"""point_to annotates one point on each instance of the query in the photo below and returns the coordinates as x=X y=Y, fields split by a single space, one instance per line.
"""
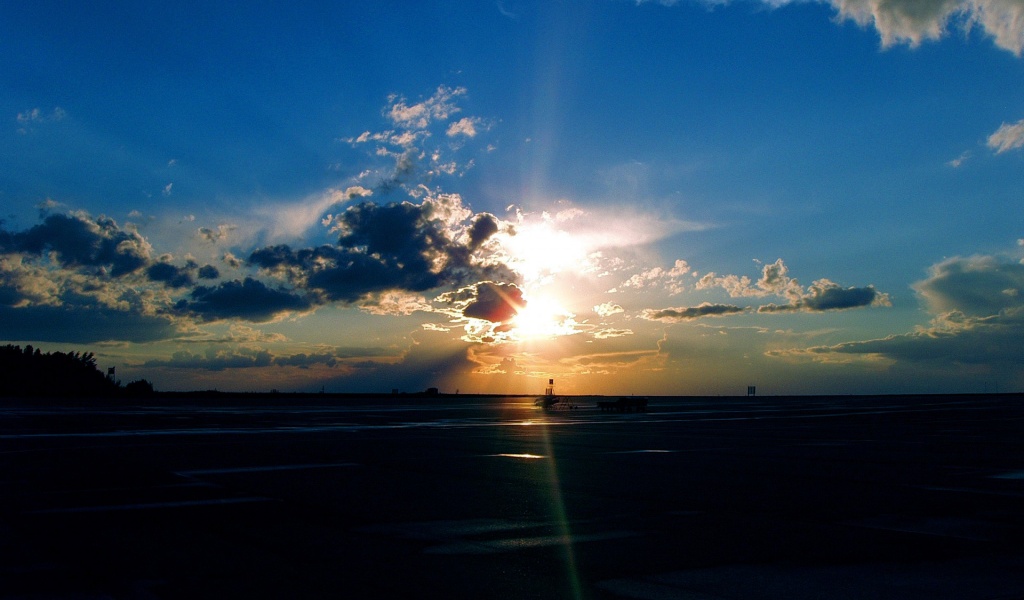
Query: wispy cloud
x=1007 y=137
x=35 y=116
x=958 y=162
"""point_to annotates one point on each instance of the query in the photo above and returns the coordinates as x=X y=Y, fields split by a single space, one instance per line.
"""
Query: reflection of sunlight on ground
x=558 y=506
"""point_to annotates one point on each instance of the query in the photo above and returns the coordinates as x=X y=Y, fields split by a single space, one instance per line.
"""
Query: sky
x=626 y=196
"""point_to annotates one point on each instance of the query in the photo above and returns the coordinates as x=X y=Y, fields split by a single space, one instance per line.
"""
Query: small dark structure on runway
x=624 y=404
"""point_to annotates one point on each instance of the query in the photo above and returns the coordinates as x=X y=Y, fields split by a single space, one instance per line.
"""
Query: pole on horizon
x=751 y=390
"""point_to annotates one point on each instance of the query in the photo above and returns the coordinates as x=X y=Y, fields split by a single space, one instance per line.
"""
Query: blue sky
x=630 y=197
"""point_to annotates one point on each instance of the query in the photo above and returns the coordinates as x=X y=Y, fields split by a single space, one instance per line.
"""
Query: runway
x=699 y=498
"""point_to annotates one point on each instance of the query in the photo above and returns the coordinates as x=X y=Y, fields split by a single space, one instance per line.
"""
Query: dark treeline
x=31 y=372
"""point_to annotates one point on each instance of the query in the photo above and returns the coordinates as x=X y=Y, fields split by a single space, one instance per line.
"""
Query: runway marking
x=964 y=529
x=524 y=543
x=443 y=530
x=651 y=590
x=152 y=505
x=263 y=468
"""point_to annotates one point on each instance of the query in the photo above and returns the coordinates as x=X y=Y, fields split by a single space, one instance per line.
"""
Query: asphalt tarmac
x=902 y=497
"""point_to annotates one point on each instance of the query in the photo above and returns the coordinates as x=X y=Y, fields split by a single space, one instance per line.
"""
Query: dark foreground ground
x=699 y=499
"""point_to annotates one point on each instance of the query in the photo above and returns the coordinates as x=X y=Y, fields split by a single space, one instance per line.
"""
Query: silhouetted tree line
x=31 y=372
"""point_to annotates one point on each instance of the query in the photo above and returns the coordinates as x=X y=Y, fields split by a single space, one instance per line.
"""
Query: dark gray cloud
x=81 y=324
x=79 y=241
x=170 y=275
x=248 y=299
x=240 y=358
x=208 y=272
x=955 y=339
x=824 y=295
x=483 y=228
x=180 y=277
x=689 y=313
x=304 y=361
x=243 y=358
x=976 y=286
x=495 y=302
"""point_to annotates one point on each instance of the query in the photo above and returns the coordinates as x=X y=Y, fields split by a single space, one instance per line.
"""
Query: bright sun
x=543 y=317
x=540 y=251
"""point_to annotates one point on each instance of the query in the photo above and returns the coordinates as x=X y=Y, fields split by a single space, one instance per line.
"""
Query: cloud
x=1007 y=137
x=705 y=309
x=958 y=162
x=977 y=327
x=215 y=235
x=952 y=341
x=912 y=22
x=394 y=247
x=80 y=241
x=670 y=279
x=82 y=324
x=608 y=309
x=774 y=280
x=248 y=299
x=439 y=106
x=484 y=309
x=411 y=140
x=484 y=226
x=824 y=295
x=465 y=126
x=215 y=360
x=294 y=219
x=172 y=276
x=396 y=303
x=35 y=116
x=978 y=286
x=495 y=302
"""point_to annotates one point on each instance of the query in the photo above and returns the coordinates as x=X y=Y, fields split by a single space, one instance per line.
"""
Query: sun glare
x=539 y=251
x=543 y=318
